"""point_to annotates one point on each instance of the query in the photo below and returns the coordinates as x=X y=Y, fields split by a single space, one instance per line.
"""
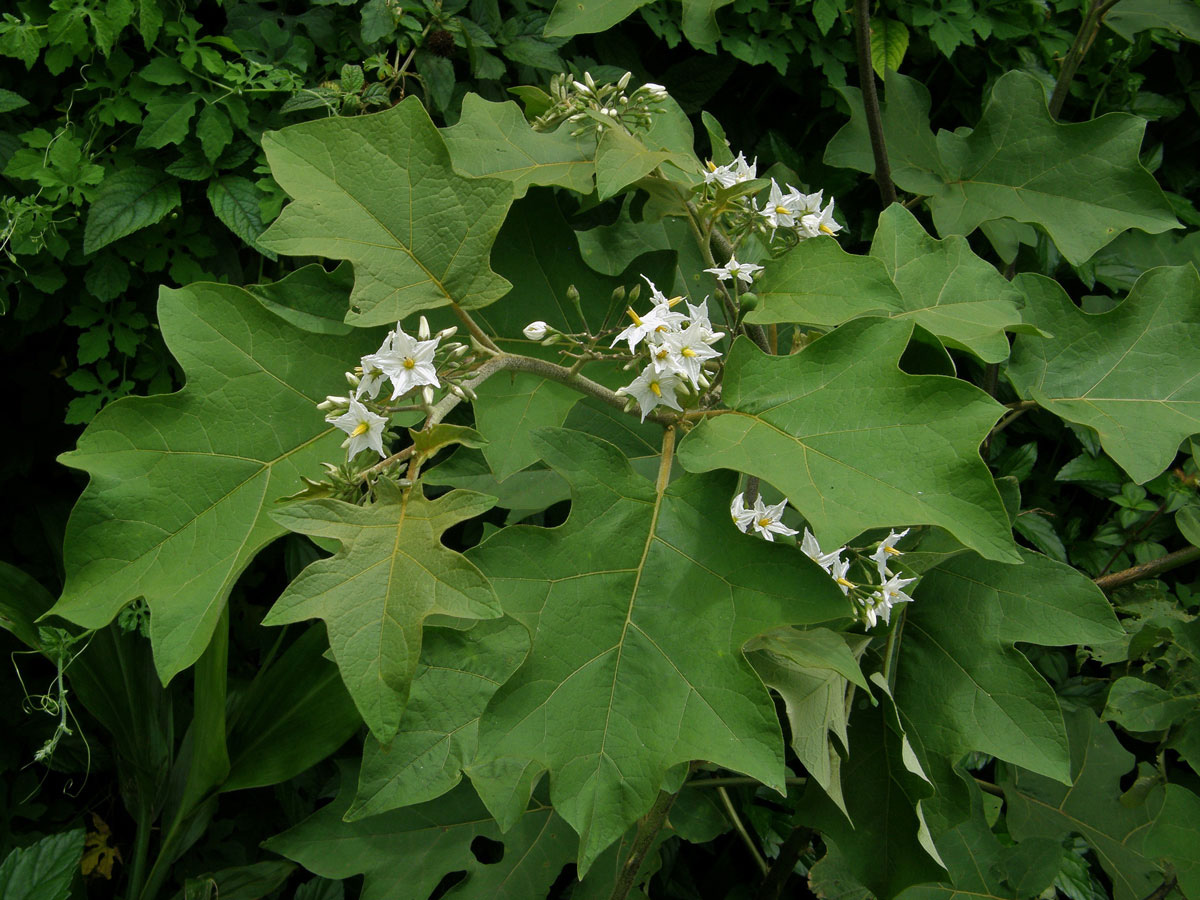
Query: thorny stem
x=866 y=79
x=1083 y=43
x=740 y=827
x=648 y=828
x=1149 y=569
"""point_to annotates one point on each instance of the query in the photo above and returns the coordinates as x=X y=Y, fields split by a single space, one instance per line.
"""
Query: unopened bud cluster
x=408 y=364
x=592 y=107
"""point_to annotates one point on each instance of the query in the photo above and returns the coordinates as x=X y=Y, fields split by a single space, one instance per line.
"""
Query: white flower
x=803 y=203
x=812 y=550
x=817 y=223
x=886 y=549
x=742 y=517
x=407 y=362
x=766 y=519
x=733 y=173
x=535 y=331
x=372 y=377
x=659 y=319
x=838 y=571
x=879 y=604
x=651 y=389
x=364 y=427
x=780 y=211
x=699 y=315
x=687 y=351
x=734 y=269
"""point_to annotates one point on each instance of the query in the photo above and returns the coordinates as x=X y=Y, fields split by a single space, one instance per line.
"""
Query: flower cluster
x=733 y=173
x=588 y=105
x=792 y=213
x=871 y=602
x=872 y=605
x=407 y=363
x=762 y=518
x=798 y=211
x=678 y=345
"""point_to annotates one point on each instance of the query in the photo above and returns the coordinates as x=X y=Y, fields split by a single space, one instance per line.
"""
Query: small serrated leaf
x=235 y=200
x=889 y=43
x=128 y=200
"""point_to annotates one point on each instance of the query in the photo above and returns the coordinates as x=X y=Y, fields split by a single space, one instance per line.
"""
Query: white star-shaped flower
x=699 y=315
x=780 y=210
x=879 y=604
x=408 y=363
x=651 y=389
x=811 y=549
x=364 y=427
x=886 y=550
x=687 y=351
x=660 y=319
x=734 y=269
x=742 y=517
x=813 y=224
x=766 y=519
x=838 y=570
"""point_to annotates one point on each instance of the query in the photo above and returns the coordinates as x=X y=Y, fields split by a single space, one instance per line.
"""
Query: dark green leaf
x=128 y=200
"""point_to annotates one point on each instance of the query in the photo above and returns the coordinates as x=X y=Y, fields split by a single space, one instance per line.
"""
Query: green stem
x=892 y=649
x=141 y=844
x=866 y=80
x=734 y=781
x=1082 y=44
x=648 y=828
x=781 y=870
x=1148 y=570
x=740 y=827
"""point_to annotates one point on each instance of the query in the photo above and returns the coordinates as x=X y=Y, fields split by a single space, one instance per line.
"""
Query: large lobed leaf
x=638 y=608
x=1083 y=183
x=1131 y=373
x=941 y=285
x=182 y=484
x=959 y=635
x=404 y=854
x=391 y=574
x=458 y=674
x=380 y=190
x=494 y=140
x=854 y=442
x=1089 y=804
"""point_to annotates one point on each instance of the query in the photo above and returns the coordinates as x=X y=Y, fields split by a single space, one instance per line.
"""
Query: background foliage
x=132 y=156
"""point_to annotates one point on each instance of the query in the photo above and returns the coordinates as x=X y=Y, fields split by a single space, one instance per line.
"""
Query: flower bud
x=423 y=330
x=624 y=80
x=446 y=333
x=618 y=294
x=635 y=292
x=572 y=293
x=352 y=379
x=535 y=331
x=457 y=351
x=458 y=392
x=427 y=394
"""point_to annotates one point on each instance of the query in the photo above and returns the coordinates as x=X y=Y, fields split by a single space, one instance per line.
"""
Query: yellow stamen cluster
x=359 y=429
